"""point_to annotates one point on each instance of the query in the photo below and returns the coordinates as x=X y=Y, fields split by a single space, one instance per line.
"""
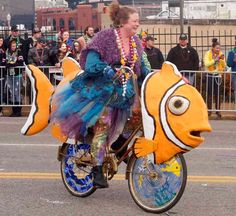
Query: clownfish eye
x=178 y=105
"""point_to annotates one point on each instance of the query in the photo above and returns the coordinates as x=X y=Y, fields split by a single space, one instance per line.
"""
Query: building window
x=71 y=24
x=61 y=23
x=54 y=24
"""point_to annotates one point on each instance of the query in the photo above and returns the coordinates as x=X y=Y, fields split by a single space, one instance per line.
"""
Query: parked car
x=164 y=15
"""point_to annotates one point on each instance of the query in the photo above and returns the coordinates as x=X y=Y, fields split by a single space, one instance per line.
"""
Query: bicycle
x=154 y=188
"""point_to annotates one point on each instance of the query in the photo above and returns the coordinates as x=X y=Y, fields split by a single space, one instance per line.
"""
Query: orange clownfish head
x=174 y=113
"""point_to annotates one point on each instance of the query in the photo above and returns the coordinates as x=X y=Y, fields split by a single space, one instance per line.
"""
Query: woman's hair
x=73 y=46
x=120 y=15
x=10 y=44
x=215 y=42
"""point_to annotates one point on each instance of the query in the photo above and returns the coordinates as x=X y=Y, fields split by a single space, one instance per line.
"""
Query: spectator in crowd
x=20 y=42
x=145 y=59
x=60 y=33
x=14 y=58
x=76 y=50
x=214 y=61
x=231 y=62
x=2 y=81
x=59 y=41
x=87 y=37
x=14 y=36
x=62 y=53
x=143 y=36
x=67 y=40
x=184 y=57
x=36 y=35
x=39 y=55
x=54 y=51
x=31 y=42
x=154 y=55
x=96 y=30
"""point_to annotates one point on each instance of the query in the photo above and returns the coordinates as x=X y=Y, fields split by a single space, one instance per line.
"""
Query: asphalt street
x=30 y=181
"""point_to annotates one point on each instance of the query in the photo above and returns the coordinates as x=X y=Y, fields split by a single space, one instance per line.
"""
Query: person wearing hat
x=185 y=58
x=154 y=55
x=39 y=55
x=31 y=41
x=36 y=35
x=14 y=36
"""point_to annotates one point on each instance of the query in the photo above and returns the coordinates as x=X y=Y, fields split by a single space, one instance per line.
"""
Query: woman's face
x=132 y=24
x=1 y=42
x=65 y=36
x=63 y=48
x=216 y=49
x=77 y=46
x=13 y=46
x=59 y=40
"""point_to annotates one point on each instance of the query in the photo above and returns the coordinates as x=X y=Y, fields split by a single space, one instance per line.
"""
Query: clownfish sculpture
x=43 y=91
x=174 y=114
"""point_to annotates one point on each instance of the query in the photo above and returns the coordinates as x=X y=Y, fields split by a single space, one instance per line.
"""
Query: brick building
x=70 y=19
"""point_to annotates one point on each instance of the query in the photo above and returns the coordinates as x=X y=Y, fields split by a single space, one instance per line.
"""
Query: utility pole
x=181 y=16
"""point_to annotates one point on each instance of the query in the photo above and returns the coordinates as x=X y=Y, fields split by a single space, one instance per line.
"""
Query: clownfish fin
x=69 y=65
x=42 y=89
x=169 y=70
x=143 y=146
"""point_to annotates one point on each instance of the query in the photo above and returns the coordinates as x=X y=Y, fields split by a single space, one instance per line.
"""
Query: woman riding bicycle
x=103 y=97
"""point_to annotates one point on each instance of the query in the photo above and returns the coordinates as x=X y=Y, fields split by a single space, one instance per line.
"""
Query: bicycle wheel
x=77 y=178
x=157 y=188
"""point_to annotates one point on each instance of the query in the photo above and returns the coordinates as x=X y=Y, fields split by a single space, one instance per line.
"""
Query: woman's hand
x=109 y=72
x=58 y=65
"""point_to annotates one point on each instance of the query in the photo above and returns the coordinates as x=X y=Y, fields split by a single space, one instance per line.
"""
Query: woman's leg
x=99 y=142
x=98 y=147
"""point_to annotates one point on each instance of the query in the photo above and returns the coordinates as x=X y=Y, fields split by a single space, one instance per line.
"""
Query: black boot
x=117 y=145
x=99 y=180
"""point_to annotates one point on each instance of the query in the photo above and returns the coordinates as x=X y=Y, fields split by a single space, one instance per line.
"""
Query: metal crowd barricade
x=217 y=90
x=15 y=86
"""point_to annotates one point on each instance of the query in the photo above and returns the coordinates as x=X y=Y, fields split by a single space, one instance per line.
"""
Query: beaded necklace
x=123 y=74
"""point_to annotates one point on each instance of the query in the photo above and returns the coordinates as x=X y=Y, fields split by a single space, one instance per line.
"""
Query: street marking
x=57 y=176
x=56 y=145
x=53 y=202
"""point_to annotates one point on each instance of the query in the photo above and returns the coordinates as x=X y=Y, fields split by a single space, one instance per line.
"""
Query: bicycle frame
x=127 y=142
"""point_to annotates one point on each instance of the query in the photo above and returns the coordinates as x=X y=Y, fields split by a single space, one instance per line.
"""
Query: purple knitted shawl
x=105 y=44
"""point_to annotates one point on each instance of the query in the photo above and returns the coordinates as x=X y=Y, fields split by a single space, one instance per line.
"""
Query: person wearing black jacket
x=20 y=42
x=14 y=58
x=31 y=42
x=184 y=57
x=154 y=55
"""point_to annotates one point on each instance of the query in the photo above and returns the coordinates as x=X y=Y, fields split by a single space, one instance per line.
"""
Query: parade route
x=30 y=181
x=57 y=176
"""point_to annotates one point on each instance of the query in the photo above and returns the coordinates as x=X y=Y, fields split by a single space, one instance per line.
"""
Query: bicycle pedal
x=86 y=158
